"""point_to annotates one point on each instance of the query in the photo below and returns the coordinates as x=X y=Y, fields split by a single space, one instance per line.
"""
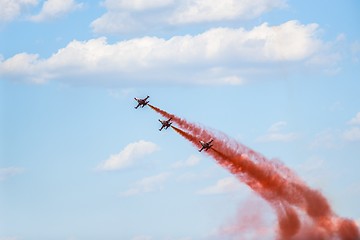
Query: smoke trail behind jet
x=302 y=212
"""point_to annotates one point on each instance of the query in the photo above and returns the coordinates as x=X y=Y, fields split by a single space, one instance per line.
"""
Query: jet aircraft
x=141 y=102
x=205 y=145
x=165 y=124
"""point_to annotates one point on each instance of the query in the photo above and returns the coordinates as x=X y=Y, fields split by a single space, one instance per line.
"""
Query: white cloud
x=55 y=8
x=112 y=22
x=326 y=139
x=217 y=10
x=313 y=164
x=158 y=60
x=146 y=14
x=123 y=16
x=355 y=120
x=276 y=127
x=225 y=185
x=10 y=9
x=190 y=162
x=331 y=54
x=274 y=134
x=128 y=155
x=278 y=137
x=193 y=176
x=135 y=5
x=148 y=184
x=9 y=172
x=352 y=134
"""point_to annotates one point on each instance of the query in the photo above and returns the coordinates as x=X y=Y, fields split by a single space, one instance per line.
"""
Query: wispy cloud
x=55 y=8
x=313 y=164
x=148 y=184
x=275 y=134
x=355 y=120
x=335 y=138
x=352 y=134
x=128 y=155
x=225 y=185
x=190 y=162
x=9 y=172
x=326 y=139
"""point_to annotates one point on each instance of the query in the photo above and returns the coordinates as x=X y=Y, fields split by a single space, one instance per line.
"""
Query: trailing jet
x=205 y=145
x=141 y=102
x=165 y=123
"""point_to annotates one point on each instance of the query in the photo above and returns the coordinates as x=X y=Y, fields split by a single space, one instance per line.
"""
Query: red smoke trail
x=303 y=213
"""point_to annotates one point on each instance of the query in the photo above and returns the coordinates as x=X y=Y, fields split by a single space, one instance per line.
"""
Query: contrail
x=302 y=212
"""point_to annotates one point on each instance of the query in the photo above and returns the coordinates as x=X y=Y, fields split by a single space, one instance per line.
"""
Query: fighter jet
x=205 y=145
x=141 y=102
x=165 y=124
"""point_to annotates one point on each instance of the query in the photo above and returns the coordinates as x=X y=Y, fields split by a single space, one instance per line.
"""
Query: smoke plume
x=302 y=212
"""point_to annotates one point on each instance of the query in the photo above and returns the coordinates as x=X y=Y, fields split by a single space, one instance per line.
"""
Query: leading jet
x=141 y=102
x=165 y=123
x=205 y=145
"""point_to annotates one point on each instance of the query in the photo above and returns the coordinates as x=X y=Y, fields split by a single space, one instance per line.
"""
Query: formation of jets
x=142 y=102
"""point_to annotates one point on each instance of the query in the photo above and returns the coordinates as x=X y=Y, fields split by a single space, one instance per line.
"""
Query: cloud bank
x=216 y=56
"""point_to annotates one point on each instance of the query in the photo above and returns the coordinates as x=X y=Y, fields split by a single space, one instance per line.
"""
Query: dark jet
x=141 y=102
x=165 y=124
x=205 y=145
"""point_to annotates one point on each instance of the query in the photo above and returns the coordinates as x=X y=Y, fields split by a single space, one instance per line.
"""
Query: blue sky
x=280 y=76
